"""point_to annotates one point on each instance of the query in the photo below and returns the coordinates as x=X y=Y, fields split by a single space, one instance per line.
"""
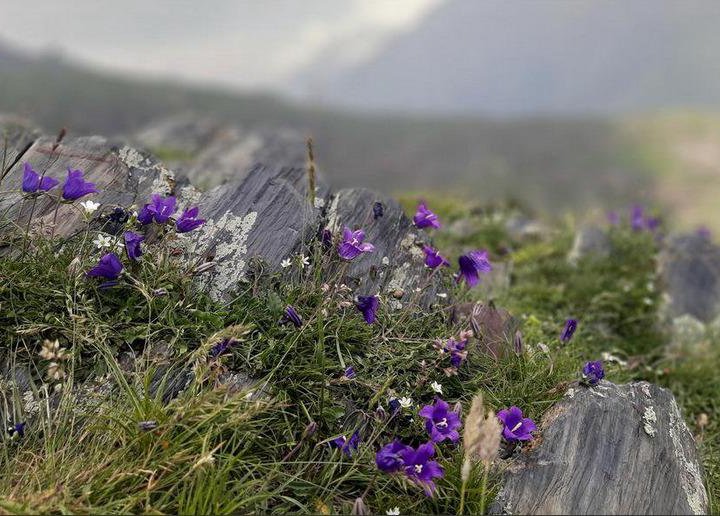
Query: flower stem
x=483 y=486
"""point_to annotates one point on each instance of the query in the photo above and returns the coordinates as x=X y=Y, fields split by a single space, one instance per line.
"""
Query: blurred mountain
x=525 y=57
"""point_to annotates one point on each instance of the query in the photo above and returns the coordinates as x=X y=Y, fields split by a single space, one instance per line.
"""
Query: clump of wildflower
x=568 y=330
x=109 y=267
x=433 y=258
x=188 y=220
x=515 y=426
x=159 y=209
x=472 y=265
x=593 y=372
x=368 y=306
x=419 y=467
x=33 y=182
x=76 y=187
x=292 y=316
x=441 y=423
x=353 y=244
x=424 y=218
x=347 y=446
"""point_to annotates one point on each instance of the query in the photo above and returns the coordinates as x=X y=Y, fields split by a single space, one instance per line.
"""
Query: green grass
x=219 y=450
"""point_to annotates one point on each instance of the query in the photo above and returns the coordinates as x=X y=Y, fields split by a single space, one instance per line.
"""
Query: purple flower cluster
x=639 y=220
x=74 y=188
x=33 y=182
x=442 y=424
x=160 y=209
x=456 y=348
x=347 y=446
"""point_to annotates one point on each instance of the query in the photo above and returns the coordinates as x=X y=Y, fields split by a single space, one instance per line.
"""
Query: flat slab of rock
x=612 y=449
x=690 y=269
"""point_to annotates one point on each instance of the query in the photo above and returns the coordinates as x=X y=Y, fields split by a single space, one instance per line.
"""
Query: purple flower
x=568 y=330
x=188 y=221
x=132 y=244
x=378 y=210
x=368 y=305
x=17 y=429
x=456 y=349
x=613 y=218
x=420 y=469
x=424 y=218
x=350 y=372
x=704 y=232
x=32 y=182
x=637 y=218
x=221 y=347
x=159 y=209
x=433 y=258
x=119 y=216
x=652 y=223
x=593 y=372
x=76 y=187
x=348 y=446
x=352 y=244
x=472 y=265
x=109 y=267
x=292 y=316
x=441 y=422
x=394 y=405
x=388 y=459
x=515 y=427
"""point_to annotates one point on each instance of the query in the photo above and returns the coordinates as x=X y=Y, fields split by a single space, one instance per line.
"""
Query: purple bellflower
x=109 y=267
x=441 y=422
x=420 y=469
x=32 y=182
x=221 y=347
x=515 y=426
x=472 y=265
x=350 y=373
x=388 y=459
x=652 y=224
x=433 y=258
x=637 y=218
x=132 y=244
x=189 y=221
x=368 y=305
x=347 y=446
x=76 y=187
x=568 y=330
x=17 y=429
x=593 y=372
x=378 y=210
x=352 y=245
x=424 y=218
x=292 y=316
x=456 y=349
x=158 y=209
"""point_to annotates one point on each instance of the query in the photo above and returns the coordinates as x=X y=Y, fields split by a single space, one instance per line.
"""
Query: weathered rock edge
x=611 y=449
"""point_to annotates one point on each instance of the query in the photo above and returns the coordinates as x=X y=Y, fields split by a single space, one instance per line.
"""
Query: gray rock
x=612 y=449
x=689 y=266
x=210 y=152
x=590 y=241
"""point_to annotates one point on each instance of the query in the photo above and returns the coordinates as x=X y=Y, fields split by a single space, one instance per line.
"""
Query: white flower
x=405 y=402
x=90 y=206
x=395 y=511
x=285 y=263
x=436 y=387
x=103 y=241
x=304 y=260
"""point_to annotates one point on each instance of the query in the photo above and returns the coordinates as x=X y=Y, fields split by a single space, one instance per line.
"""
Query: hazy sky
x=244 y=43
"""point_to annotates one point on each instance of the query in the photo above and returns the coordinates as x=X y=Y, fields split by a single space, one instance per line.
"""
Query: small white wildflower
x=405 y=402
x=442 y=294
x=304 y=261
x=395 y=511
x=435 y=386
x=103 y=241
x=386 y=260
x=285 y=263
x=90 y=206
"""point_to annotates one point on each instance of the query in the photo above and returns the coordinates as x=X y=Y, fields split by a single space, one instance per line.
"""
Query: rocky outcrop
x=610 y=449
x=689 y=266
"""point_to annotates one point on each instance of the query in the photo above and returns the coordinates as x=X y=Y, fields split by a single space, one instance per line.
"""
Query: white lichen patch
x=134 y=159
x=163 y=180
x=649 y=418
x=570 y=393
x=408 y=243
x=690 y=478
x=228 y=235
